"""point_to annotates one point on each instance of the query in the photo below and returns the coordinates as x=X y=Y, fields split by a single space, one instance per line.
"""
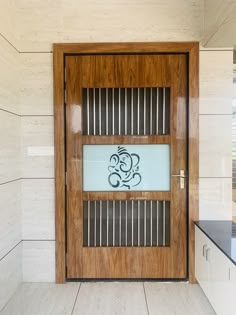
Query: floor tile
x=111 y=298
x=108 y=298
x=176 y=299
x=42 y=299
x=10 y=274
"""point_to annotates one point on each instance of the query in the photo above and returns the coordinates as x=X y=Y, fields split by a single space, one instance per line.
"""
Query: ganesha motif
x=124 y=169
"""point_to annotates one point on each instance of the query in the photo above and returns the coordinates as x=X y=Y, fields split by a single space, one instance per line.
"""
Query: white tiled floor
x=109 y=298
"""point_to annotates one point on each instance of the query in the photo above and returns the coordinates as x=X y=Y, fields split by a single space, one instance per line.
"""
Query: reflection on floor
x=108 y=298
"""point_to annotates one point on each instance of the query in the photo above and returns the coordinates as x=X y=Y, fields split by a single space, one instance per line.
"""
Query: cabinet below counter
x=215 y=264
x=222 y=234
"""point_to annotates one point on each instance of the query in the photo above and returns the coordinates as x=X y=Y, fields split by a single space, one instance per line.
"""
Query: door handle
x=207 y=254
x=204 y=250
x=182 y=177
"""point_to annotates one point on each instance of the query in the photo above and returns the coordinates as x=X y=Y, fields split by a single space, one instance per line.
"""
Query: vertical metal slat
x=126 y=111
x=94 y=113
x=95 y=224
x=100 y=111
x=164 y=223
x=144 y=111
x=95 y=118
x=157 y=113
x=138 y=112
x=132 y=111
x=113 y=111
x=119 y=114
x=88 y=131
x=151 y=132
x=107 y=131
x=141 y=206
x=164 y=112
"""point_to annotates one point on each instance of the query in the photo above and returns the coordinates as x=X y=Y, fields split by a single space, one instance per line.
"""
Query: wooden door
x=127 y=103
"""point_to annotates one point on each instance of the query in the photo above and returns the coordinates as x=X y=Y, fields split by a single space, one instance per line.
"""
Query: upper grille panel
x=126 y=111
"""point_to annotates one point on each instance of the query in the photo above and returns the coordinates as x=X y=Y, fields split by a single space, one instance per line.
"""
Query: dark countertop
x=222 y=234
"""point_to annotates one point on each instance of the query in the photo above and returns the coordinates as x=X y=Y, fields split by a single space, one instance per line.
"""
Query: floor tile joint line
x=145 y=296
x=11 y=297
x=76 y=298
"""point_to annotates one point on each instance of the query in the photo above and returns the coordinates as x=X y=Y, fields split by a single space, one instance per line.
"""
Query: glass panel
x=126 y=167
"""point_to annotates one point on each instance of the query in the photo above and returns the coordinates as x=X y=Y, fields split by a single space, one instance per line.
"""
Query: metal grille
x=126 y=111
x=126 y=223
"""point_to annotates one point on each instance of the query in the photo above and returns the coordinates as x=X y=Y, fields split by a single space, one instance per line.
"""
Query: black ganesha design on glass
x=124 y=169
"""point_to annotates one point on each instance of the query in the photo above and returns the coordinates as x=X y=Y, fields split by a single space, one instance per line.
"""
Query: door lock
x=182 y=177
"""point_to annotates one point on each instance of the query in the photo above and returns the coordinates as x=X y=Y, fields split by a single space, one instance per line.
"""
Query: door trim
x=59 y=52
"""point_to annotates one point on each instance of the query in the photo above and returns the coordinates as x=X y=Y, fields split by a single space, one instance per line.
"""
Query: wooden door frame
x=59 y=53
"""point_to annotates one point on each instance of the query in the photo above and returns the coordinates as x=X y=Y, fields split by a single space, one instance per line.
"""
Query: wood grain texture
x=59 y=144
x=139 y=71
x=74 y=167
x=123 y=195
x=126 y=139
x=192 y=50
x=147 y=70
x=178 y=162
x=193 y=154
x=120 y=48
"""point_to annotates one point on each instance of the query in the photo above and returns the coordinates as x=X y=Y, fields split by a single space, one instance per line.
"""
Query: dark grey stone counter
x=222 y=234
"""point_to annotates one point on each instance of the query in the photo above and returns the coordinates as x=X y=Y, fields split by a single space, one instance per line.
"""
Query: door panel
x=119 y=101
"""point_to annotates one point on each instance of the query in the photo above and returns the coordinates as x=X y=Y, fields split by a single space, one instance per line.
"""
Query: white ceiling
x=219 y=23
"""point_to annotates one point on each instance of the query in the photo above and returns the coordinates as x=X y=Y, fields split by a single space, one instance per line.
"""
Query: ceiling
x=219 y=23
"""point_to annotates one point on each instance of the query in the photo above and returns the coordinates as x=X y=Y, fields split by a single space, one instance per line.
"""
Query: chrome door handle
x=181 y=174
x=182 y=177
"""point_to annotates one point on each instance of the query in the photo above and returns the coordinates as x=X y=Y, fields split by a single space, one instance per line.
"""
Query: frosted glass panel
x=126 y=167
